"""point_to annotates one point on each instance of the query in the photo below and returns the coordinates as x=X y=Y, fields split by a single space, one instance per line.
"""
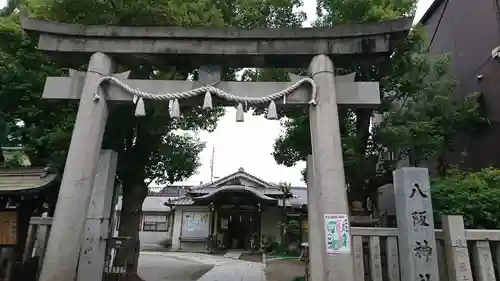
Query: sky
x=249 y=144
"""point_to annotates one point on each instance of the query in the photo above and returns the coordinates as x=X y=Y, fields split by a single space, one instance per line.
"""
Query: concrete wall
x=153 y=237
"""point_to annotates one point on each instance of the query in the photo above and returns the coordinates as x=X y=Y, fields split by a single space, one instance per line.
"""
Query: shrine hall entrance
x=237 y=219
x=240 y=228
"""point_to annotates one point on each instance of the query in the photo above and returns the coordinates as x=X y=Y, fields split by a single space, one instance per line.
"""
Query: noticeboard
x=8 y=228
x=195 y=224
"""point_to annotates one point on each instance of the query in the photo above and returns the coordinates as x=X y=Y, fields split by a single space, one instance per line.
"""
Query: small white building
x=239 y=210
x=154 y=227
x=235 y=208
x=232 y=210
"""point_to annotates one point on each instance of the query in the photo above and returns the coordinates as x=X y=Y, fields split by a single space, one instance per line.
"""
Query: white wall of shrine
x=269 y=226
x=156 y=225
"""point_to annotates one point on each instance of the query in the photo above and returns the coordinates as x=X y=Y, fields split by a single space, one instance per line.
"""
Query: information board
x=8 y=228
x=195 y=224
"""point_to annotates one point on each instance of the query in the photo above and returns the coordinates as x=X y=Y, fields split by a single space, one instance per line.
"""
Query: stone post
x=315 y=233
x=61 y=258
x=329 y=178
x=93 y=248
x=456 y=251
x=416 y=234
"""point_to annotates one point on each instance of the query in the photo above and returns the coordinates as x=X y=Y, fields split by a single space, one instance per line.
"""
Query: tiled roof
x=237 y=188
x=24 y=179
x=151 y=203
x=181 y=201
x=266 y=188
x=173 y=191
x=208 y=187
x=298 y=200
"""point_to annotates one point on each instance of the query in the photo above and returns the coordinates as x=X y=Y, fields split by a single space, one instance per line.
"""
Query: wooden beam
x=359 y=94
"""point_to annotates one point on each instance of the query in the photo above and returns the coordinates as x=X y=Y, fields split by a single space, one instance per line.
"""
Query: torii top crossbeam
x=277 y=48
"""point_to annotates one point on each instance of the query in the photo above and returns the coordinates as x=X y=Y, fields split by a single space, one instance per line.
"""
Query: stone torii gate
x=314 y=47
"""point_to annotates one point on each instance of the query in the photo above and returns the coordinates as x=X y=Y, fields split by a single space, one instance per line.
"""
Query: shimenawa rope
x=208 y=90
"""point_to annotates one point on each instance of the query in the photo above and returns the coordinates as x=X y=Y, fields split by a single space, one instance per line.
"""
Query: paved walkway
x=154 y=267
x=235 y=255
x=158 y=266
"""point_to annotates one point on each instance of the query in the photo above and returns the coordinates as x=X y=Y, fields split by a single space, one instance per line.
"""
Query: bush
x=269 y=244
x=475 y=196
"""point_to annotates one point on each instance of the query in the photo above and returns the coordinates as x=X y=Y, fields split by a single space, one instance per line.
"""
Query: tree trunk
x=442 y=165
x=130 y=218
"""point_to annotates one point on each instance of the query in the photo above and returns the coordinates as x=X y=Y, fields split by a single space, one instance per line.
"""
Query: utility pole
x=212 y=165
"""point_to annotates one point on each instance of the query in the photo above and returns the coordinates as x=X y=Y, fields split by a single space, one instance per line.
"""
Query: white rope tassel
x=175 y=111
x=207 y=102
x=272 y=113
x=97 y=97
x=140 y=109
x=240 y=113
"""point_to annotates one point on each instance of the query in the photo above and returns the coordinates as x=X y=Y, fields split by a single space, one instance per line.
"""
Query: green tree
x=10 y=7
x=417 y=118
x=150 y=148
x=286 y=189
x=3 y=137
x=474 y=195
x=42 y=126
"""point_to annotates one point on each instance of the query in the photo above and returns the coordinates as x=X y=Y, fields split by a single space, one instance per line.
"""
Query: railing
x=376 y=254
x=36 y=240
x=36 y=244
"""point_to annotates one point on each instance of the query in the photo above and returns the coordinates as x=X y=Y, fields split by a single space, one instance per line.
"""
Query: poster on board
x=195 y=224
x=338 y=238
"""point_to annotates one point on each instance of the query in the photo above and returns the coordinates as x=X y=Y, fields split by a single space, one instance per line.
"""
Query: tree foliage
x=417 y=119
x=10 y=7
x=42 y=126
x=474 y=195
x=335 y=12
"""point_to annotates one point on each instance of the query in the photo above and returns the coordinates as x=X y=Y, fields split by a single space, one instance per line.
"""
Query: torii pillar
x=61 y=257
x=329 y=191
